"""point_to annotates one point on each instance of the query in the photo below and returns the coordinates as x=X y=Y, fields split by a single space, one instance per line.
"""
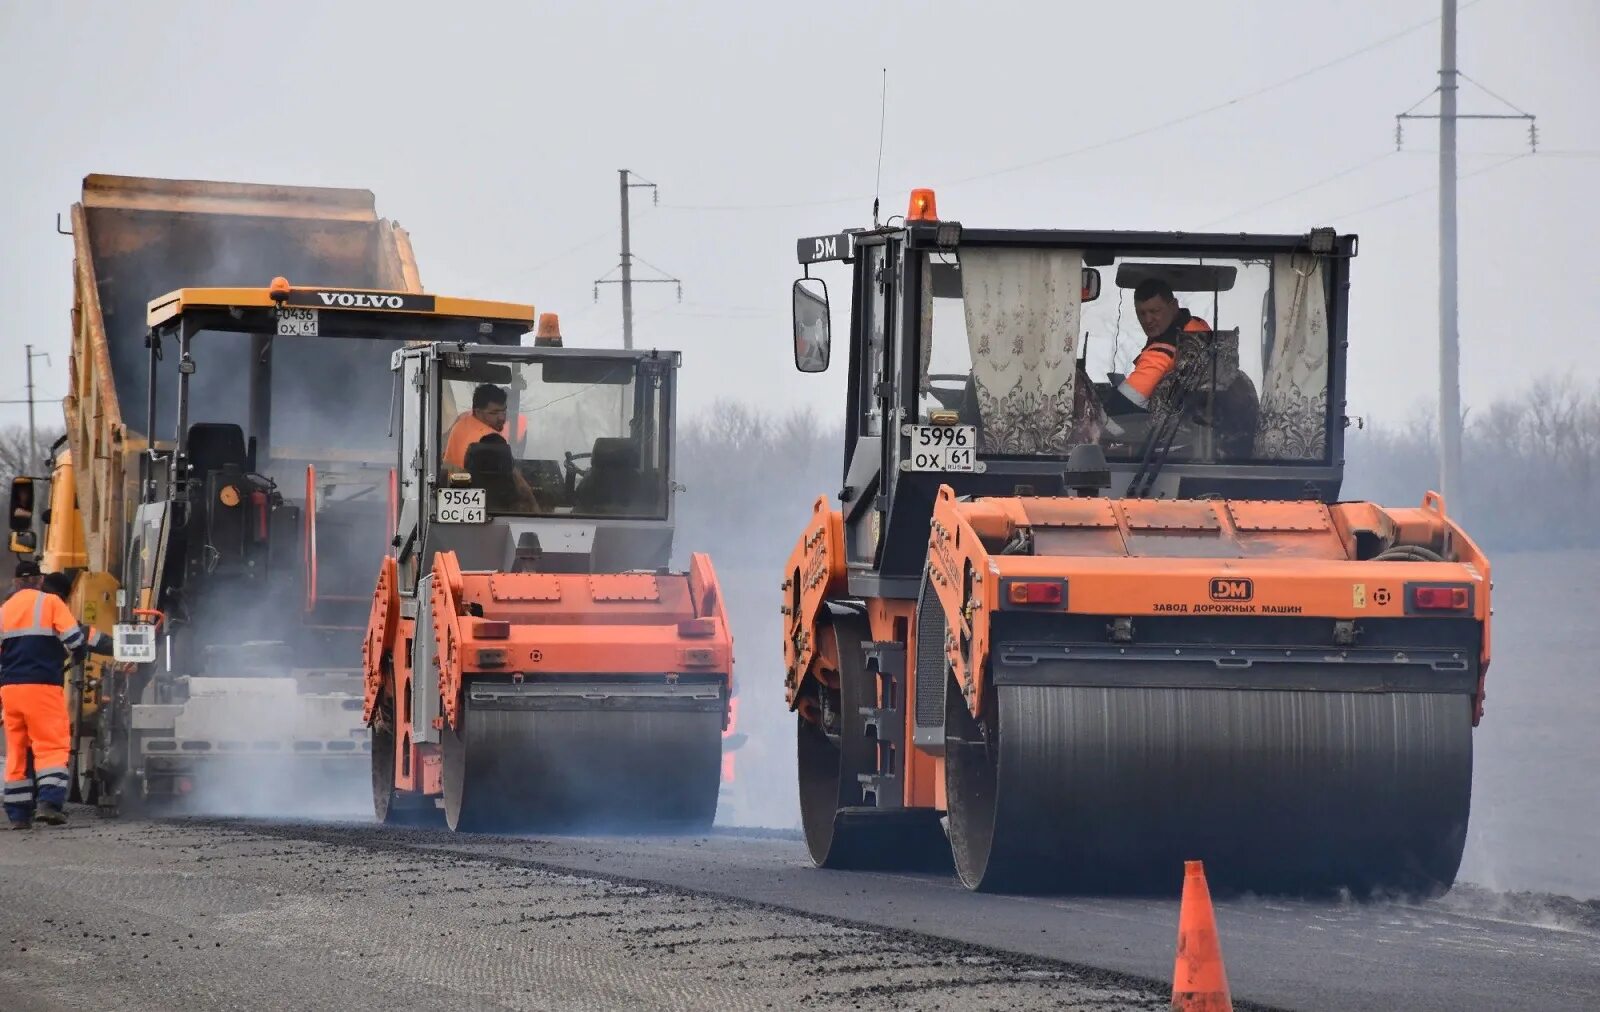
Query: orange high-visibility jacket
x=36 y=632
x=1157 y=358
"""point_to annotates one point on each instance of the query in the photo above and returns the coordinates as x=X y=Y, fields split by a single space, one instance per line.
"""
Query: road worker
x=37 y=634
x=1163 y=320
x=487 y=418
x=26 y=570
x=1230 y=407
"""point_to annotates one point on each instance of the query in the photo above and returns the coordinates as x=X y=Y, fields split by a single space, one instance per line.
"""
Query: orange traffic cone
x=1199 y=983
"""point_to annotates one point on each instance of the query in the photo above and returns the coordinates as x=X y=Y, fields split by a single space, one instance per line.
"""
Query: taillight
x=1034 y=592
x=491 y=630
x=1441 y=598
x=697 y=627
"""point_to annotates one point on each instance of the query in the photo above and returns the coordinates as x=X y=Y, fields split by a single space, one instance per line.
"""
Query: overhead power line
x=1131 y=135
x=1433 y=188
x=1351 y=170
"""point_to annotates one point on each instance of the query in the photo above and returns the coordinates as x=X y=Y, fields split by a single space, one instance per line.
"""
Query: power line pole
x=625 y=183
x=33 y=438
x=1449 y=319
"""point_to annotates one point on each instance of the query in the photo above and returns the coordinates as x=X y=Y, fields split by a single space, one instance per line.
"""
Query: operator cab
x=534 y=459
x=980 y=358
x=579 y=437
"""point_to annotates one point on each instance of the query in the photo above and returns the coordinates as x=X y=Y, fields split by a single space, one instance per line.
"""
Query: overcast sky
x=493 y=132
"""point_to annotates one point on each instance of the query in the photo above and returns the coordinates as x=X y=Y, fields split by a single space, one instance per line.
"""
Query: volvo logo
x=361 y=300
x=1232 y=588
x=391 y=301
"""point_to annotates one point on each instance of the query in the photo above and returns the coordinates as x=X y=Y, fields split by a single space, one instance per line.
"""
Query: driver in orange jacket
x=487 y=418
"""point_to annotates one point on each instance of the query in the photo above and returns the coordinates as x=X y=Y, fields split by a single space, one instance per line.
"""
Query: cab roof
x=340 y=300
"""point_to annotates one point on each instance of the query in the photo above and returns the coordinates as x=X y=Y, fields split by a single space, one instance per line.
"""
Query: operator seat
x=612 y=484
x=491 y=465
x=215 y=446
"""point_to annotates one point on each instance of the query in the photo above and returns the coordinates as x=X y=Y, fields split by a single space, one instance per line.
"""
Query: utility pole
x=1449 y=318
x=625 y=183
x=33 y=438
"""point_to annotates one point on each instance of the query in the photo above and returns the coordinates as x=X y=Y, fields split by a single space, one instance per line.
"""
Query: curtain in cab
x=1294 y=398
x=1022 y=310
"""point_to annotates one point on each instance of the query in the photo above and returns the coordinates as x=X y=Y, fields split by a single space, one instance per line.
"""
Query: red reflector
x=1440 y=598
x=698 y=657
x=494 y=630
x=697 y=627
x=1023 y=592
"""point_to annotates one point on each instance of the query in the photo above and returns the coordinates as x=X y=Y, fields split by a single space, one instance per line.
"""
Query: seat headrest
x=490 y=456
x=211 y=445
x=616 y=451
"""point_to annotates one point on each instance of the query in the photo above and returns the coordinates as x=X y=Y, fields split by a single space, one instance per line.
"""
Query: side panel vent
x=932 y=672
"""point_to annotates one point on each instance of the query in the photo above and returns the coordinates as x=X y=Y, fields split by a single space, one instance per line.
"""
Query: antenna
x=883 y=116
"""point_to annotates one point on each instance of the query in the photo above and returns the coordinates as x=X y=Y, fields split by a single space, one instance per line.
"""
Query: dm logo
x=1232 y=589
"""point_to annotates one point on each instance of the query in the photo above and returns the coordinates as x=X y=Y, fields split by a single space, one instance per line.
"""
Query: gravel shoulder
x=192 y=915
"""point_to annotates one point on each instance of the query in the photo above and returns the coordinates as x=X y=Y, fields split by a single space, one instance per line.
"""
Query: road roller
x=1087 y=603
x=531 y=661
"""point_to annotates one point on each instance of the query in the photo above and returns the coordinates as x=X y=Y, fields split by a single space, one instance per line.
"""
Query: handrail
x=311 y=538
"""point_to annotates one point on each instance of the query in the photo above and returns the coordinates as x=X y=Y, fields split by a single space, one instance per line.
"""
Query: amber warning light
x=923 y=206
x=548 y=334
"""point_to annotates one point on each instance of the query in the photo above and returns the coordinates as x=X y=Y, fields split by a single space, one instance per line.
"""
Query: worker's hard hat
x=27 y=568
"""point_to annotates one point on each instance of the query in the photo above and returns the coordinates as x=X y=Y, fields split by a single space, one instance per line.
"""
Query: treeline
x=1530 y=467
x=1531 y=472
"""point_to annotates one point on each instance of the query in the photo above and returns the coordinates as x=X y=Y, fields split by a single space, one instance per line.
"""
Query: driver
x=1163 y=321
x=487 y=418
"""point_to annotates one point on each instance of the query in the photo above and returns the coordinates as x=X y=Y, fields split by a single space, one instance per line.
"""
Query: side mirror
x=19 y=510
x=24 y=542
x=1091 y=284
x=813 y=336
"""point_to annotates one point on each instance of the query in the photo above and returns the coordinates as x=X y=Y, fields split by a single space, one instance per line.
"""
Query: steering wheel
x=950 y=400
x=574 y=469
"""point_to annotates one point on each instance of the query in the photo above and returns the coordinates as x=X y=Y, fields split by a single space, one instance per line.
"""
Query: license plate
x=295 y=322
x=943 y=447
x=462 y=506
x=133 y=644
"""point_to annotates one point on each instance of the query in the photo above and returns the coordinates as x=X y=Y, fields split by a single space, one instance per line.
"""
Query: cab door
x=875 y=419
x=411 y=476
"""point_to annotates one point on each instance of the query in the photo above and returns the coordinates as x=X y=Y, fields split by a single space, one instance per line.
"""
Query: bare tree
x=1532 y=466
x=14 y=451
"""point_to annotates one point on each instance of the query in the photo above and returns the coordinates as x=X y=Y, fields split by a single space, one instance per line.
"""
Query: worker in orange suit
x=487 y=418
x=1163 y=320
x=37 y=634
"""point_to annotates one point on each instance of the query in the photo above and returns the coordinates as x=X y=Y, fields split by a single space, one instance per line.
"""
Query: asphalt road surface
x=220 y=914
